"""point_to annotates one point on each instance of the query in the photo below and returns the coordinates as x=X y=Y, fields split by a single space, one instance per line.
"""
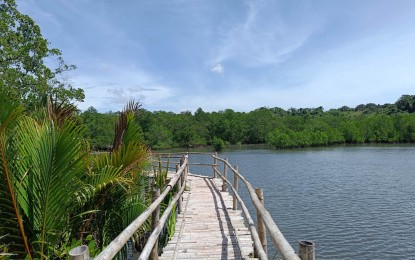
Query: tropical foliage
x=55 y=192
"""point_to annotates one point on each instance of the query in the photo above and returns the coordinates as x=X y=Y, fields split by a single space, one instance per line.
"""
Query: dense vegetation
x=366 y=123
x=55 y=192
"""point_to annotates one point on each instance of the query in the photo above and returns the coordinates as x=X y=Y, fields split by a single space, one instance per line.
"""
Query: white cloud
x=218 y=68
x=264 y=37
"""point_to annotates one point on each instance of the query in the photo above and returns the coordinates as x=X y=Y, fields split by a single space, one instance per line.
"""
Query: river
x=353 y=202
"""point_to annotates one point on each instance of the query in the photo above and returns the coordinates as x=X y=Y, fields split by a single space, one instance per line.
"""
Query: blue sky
x=184 y=54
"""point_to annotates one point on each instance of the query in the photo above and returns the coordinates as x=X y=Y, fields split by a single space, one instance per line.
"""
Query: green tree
x=406 y=103
x=99 y=128
x=23 y=51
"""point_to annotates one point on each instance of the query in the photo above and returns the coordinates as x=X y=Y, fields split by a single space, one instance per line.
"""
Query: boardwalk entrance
x=208 y=228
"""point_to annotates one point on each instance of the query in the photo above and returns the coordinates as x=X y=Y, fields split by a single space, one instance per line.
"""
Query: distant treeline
x=303 y=127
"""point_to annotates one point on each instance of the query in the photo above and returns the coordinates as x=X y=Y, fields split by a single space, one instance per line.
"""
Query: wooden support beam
x=306 y=250
x=215 y=161
x=235 y=186
x=79 y=253
x=155 y=217
x=179 y=186
x=262 y=232
x=225 y=176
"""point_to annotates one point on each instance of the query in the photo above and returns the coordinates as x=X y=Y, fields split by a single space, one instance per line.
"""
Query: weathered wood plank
x=208 y=227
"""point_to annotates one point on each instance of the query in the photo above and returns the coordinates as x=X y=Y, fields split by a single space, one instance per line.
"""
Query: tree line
x=279 y=128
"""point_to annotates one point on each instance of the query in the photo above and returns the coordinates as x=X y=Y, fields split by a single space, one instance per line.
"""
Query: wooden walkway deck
x=208 y=227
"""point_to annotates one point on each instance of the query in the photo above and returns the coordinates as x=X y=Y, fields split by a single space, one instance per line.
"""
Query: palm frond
x=11 y=218
x=124 y=121
x=52 y=158
x=60 y=111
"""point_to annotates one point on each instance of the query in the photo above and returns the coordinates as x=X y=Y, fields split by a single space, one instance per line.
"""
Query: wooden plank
x=208 y=227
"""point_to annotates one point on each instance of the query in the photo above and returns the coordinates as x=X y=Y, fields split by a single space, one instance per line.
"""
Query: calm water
x=353 y=202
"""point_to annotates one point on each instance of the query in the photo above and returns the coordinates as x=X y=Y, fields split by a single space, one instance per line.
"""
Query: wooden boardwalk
x=208 y=227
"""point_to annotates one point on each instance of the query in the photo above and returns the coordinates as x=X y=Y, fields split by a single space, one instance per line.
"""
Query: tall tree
x=23 y=51
x=406 y=103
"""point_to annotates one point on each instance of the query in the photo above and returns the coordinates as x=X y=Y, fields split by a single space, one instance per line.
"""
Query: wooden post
x=235 y=186
x=215 y=161
x=79 y=253
x=225 y=175
x=184 y=173
x=155 y=220
x=306 y=250
x=186 y=170
x=179 y=186
x=262 y=232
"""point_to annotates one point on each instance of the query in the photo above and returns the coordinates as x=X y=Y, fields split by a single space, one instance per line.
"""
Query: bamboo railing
x=121 y=240
x=265 y=222
x=278 y=239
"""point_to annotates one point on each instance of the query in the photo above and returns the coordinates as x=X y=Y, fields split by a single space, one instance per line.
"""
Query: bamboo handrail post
x=262 y=232
x=277 y=238
x=254 y=234
x=145 y=253
x=182 y=161
x=225 y=176
x=179 y=186
x=215 y=161
x=186 y=170
x=118 y=243
x=235 y=186
x=79 y=253
x=184 y=173
x=306 y=250
x=155 y=217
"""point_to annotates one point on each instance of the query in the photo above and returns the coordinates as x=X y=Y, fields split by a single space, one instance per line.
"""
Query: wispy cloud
x=218 y=68
x=263 y=37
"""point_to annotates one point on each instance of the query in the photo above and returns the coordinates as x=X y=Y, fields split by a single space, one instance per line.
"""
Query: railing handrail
x=152 y=240
x=278 y=239
x=118 y=243
x=251 y=224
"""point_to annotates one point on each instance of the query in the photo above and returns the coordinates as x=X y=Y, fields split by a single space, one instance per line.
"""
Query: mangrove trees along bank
x=366 y=123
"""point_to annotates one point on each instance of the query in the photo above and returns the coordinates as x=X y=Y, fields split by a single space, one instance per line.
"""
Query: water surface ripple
x=354 y=202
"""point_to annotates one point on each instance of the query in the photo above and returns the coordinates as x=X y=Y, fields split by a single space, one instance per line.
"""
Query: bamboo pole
x=306 y=250
x=225 y=176
x=179 y=186
x=154 y=222
x=278 y=239
x=215 y=160
x=79 y=253
x=262 y=232
x=235 y=186
x=202 y=164
x=156 y=232
x=118 y=243
x=254 y=234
